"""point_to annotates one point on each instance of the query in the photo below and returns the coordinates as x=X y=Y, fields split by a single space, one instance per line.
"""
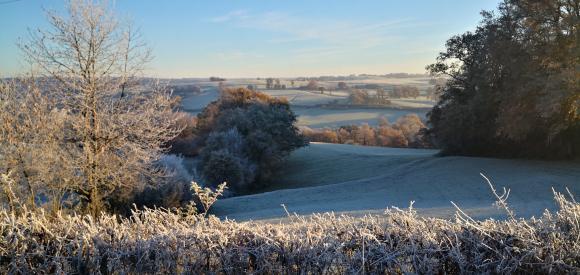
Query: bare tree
x=31 y=130
x=115 y=126
x=312 y=85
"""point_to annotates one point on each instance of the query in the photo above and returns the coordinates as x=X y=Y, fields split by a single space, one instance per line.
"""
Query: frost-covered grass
x=334 y=118
x=359 y=179
x=398 y=241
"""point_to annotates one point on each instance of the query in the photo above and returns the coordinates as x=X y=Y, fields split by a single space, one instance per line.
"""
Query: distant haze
x=271 y=38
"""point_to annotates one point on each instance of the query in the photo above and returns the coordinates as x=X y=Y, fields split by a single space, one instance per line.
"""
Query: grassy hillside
x=322 y=163
x=345 y=178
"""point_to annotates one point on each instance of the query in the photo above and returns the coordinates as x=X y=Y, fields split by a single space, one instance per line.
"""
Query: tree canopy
x=245 y=134
x=513 y=86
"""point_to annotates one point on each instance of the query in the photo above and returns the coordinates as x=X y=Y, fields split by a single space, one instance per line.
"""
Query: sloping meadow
x=158 y=241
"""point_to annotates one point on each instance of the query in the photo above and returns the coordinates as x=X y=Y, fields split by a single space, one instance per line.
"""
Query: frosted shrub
x=175 y=167
x=167 y=192
x=245 y=137
x=223 y=160
x=158 y=241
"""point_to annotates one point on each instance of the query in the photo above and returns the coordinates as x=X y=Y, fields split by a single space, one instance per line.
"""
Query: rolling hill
x=359 y=180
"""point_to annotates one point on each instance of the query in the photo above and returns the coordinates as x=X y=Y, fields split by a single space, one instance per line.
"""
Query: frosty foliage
x=245 y=135
x=224 y=160
x=512 y=84
x=175 y=167
x=171 y=191
x=400 y=241
x=86 y=124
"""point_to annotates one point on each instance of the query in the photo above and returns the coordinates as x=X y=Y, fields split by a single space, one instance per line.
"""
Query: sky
x=270 y=38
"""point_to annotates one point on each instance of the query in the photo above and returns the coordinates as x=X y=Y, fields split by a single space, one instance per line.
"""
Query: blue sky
x=271 y=38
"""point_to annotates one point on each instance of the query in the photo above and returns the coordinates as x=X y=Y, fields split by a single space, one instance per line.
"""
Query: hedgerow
x=161 y=241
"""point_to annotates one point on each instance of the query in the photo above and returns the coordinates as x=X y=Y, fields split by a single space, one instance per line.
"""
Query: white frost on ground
x=359 y=180
x=420 y=102
x=333 y=118
x=195 y=103
x=307 y=98
x=304 y=104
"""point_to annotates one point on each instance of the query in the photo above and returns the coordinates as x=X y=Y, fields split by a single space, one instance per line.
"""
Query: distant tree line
x=362 y=97
x=274 y=83
x=358 y=77
x=186 y=89
x=328 y=78
x=368 y=86
x=403 y=75
x=407 y=131
x=397 y=91
x=342 y=85
x=513 y=84
x=216 y=79
x=314 y=85
x=404 y=91
x=382 y=97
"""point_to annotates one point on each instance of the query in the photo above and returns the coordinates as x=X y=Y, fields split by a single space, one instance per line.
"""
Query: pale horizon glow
x=248 y=39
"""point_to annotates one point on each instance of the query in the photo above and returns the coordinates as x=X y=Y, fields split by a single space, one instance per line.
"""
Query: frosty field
x=311 y=106
x=320 y=118
x=360 y=180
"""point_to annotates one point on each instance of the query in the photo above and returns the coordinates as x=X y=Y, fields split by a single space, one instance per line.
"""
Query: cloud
x=314 y=38
x=302 y=40
x=237 y=56
x=316 y=53
x=237 y=14
x=289 y=28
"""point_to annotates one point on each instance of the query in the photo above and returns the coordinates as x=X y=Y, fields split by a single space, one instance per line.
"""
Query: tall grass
x=159 y=241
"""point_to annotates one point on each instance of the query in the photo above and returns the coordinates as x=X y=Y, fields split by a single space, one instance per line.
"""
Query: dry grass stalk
x=206 y=196
x=158 y=241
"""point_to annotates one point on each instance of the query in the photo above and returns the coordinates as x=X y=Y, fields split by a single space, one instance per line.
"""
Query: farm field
x=328 y=117
x=308 y=105
x=361 y=180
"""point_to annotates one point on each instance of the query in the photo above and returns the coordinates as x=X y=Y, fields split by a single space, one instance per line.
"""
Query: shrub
x=400 y=241
x=222 y=166
x=216 y=79
x=245 y=135
x=168 y=192
x=410 y=125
